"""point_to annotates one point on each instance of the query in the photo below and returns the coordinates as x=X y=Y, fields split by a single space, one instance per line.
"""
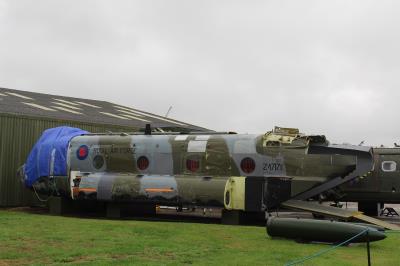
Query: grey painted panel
x=104 y=190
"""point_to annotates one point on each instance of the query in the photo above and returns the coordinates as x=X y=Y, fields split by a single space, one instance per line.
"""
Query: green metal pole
x=368 y=251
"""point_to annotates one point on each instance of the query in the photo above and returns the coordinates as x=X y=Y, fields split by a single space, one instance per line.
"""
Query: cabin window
x=389 y=166
x=98 y=162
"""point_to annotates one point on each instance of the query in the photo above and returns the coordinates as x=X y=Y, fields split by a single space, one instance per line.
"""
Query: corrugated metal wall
x=18 y=134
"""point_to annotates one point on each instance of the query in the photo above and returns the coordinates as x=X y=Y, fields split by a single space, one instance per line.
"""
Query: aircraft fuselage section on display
x=206 y=169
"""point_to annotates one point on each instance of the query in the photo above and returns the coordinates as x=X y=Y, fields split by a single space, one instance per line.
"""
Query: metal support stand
x=379 y=207
x=368 y=251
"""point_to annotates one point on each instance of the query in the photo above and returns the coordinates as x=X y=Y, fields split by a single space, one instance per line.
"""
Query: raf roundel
x=248 y=165
x=82 y=152
x=142 y=163
x=192 y=165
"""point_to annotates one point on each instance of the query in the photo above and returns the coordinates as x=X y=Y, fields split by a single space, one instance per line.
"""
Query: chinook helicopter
x=243 y=173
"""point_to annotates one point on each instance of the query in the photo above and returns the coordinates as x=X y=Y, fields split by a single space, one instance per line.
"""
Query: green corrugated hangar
x=25 y=115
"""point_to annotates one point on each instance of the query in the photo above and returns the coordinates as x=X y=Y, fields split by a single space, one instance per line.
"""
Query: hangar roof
x=84 y=110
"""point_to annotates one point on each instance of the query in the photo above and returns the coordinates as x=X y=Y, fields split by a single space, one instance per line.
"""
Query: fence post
x=368 y=251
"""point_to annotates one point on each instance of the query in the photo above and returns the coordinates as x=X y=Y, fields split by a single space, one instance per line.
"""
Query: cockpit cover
x=49 y=155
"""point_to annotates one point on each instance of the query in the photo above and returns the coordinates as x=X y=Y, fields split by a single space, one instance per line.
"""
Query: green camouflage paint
x=194 y=169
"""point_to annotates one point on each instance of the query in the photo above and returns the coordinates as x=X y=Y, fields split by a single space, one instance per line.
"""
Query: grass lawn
x=27 y=238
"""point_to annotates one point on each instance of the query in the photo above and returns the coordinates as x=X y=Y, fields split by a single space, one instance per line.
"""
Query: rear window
x=389 y=166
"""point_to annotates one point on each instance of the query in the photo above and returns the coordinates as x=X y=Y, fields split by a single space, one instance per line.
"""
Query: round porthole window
x=142 y=163
x=98 y=161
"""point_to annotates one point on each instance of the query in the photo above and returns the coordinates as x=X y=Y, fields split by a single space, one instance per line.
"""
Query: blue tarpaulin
x=49 y=155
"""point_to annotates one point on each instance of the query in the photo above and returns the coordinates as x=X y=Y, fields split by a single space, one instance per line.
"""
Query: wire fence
x=320 y=253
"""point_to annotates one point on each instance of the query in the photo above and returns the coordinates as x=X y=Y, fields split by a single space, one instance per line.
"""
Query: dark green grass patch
x=44 y=239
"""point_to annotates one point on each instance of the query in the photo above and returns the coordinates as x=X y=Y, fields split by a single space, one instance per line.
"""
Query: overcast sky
x=326 y=67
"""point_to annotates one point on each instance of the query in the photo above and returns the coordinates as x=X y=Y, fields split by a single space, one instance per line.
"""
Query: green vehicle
x=380 y=186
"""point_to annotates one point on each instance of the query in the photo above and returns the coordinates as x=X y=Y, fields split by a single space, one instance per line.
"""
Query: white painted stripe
x=19 y=95
x=202 y=137
x=161 y=118
x=181 y=137
x=197 y=146
x=88 y=104
x=68 y=106
x=67 y=110
x=129 y=113
x=1 y=94
x=39 y=106
x=137 y=118
x=114 y=115
x=149 y=115
x=65 y=101
x=124 y=108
